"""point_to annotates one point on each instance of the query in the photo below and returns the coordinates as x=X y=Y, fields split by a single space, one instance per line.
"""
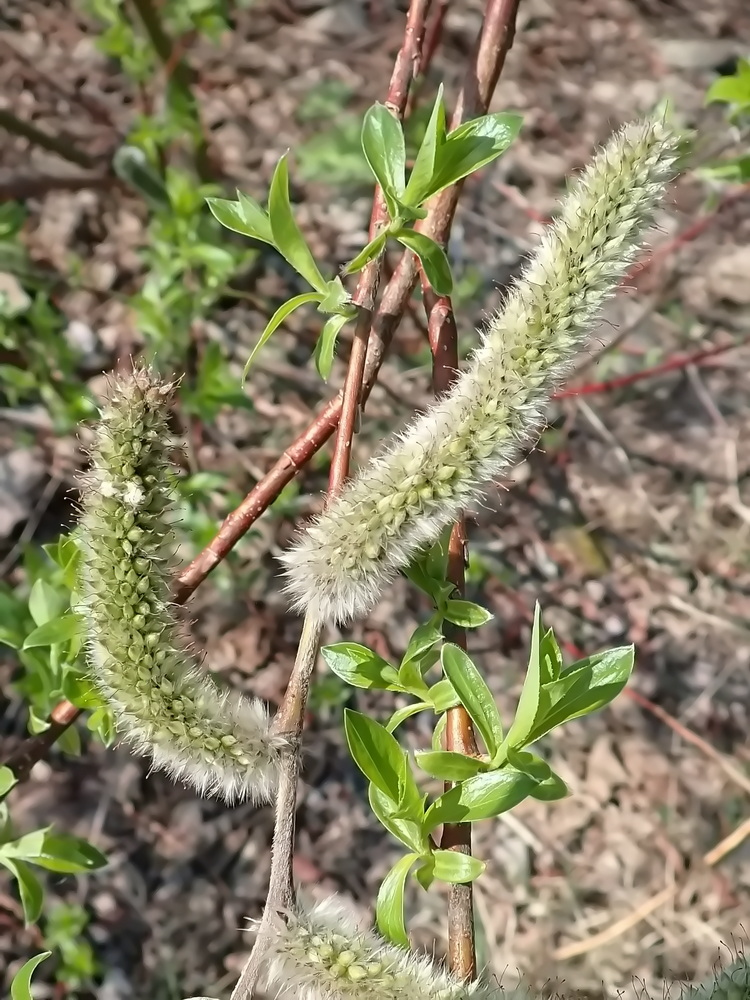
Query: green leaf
x=733 y=89
x=62 y=852
x=372 y=250
x=244 y=216
x=550 y=658
x=425 y=874
x=402 y=714
x=380 y=758
x=385 y=151
x=475 y=696
x=438 y=733
x=736 y=169
x=284 y=310
x=27 y=847
x=584 y=687
x=432 y=257
x=424 y=165
x=456 y=868
x=472 y=146
x=131 y=165
x=7 y=780
x=448 y=765
x=101 y=722
x=29 y=888
x=337 y=300
x=20 y=988
x=551 y=789
x=528 y=703
x=389 y=910
x=482 y=797
x=360 y=666
x=69 y=741
x=287 y=236
x=64 y=628
x=45 y=602
x=424 y=638
x=442 y=696
x=406 y=831
x=466 y=614
x=529 y=763
x=411 y=680
x=325 y=346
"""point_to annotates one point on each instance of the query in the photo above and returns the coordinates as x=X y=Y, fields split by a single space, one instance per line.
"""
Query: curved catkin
x=321 y=954
x=216 y=740
x=402 y=499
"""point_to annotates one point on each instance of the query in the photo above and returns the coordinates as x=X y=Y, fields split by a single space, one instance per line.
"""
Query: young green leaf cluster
x=322 y=954
x=402 y=499
x=443 y=159
x=163 y=704
x=483 y=786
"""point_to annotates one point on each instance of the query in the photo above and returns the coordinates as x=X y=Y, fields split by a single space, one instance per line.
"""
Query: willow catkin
x=321 y=953
x=163 y=704
x=402 y=499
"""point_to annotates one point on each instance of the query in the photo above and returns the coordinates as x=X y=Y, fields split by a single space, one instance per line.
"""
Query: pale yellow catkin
x=402 y=499
x=164 y=705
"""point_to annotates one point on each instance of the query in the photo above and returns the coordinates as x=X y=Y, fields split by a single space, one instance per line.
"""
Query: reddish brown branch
x=459 y=734
x=672 y=364
x=494 y=43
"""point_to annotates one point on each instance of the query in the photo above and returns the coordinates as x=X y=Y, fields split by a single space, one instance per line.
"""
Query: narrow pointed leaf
x=483 y=797
x=389 y=909
x=475 y=696
x=360 y=666
x=325 y=347
x=244 y=216
x=275 y=322
x=472 y=146
x=422 y=172
x=287 y=236
x=20 y=988
x=385 y=151
x=432 y=258
x=456 y=868
x=446 y=765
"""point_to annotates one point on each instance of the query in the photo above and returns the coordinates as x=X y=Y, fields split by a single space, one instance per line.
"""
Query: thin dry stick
x=459 y=734
x=711 y=858
x=690 y=737
x=53 y=143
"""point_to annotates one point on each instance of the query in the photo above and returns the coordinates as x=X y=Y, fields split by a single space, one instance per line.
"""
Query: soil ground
x=631 y=521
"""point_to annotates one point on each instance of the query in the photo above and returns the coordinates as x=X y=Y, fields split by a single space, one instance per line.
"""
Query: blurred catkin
x=322 y=954
x=163 y=704
x=402 y=499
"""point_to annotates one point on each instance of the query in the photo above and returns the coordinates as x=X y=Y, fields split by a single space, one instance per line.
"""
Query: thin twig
x=291 y=715
x=690 y=737
x=711 y=858
x=180 y=75
x=675 y=363
x=494 y=42
x=459 y=733
x=21 y=188
x=64 y=148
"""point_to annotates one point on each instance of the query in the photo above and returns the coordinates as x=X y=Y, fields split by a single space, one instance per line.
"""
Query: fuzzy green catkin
x=216 y=740
x=322 y=954
x=402 y=499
